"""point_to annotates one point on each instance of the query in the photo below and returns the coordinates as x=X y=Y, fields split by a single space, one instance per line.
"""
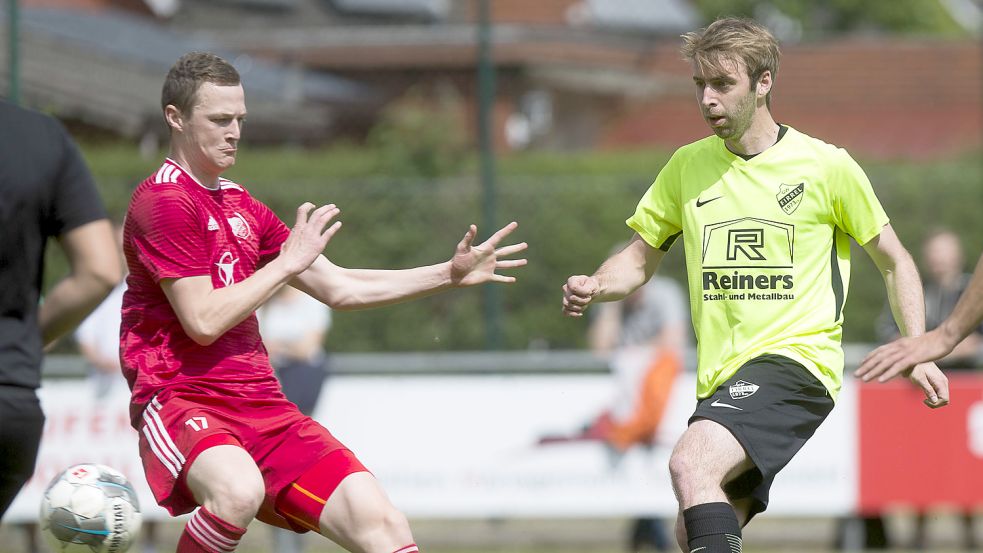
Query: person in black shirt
x=45 y=191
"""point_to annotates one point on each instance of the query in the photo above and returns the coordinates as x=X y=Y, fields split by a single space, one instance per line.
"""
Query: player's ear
x=173 y=117
x=764 y=83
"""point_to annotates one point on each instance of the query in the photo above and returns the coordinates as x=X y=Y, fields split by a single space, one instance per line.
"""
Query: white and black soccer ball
x=90 y=509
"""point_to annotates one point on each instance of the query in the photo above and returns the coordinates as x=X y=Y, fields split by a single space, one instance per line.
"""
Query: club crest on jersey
x=790 y=196
x=239 y=225
x=742 y=389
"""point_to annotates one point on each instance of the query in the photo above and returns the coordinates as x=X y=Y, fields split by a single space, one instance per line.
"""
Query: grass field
x=767 y=535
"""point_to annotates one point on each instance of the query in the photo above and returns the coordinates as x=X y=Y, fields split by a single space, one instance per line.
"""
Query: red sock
x=206 y=533
x=411 y=548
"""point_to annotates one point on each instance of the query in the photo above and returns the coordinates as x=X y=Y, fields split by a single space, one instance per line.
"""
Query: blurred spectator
x=645 y=336
x=293 y=326
x=944 y=282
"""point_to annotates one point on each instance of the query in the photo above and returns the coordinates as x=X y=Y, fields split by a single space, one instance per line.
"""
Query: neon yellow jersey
x=767 y=249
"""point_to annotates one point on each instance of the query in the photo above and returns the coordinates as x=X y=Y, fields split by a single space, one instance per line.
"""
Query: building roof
x=424 y=9
x=106 y=67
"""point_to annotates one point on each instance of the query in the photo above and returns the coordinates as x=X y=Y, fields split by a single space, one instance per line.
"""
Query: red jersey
x=175 y=228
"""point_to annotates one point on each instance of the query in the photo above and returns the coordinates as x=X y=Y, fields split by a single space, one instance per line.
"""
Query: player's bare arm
x=904 y=290
x=900 y=356
x=206 y=312
x=615 y=279
x=347 y=289
x=95 y=270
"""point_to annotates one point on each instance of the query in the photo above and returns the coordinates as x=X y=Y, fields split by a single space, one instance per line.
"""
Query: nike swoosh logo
x=701 y=204
x=697 y=549
x=716 y=403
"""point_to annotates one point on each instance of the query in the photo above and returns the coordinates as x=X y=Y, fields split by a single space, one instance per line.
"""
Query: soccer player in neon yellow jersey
x=766 y=214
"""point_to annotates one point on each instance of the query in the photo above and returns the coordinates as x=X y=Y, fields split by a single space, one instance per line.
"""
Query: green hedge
x=571 y=210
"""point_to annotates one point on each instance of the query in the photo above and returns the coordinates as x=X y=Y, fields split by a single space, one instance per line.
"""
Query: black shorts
x=772 y=405
x=21 y=423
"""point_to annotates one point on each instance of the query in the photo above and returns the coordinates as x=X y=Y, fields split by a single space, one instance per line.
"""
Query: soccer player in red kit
x=215 y=430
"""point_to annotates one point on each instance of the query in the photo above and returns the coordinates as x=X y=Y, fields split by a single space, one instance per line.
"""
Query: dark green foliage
x=918 y=198
x=571 y=210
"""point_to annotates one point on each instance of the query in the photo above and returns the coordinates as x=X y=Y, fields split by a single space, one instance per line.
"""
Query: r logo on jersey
x=742 y=389
x=748 y=243
x=790 y=196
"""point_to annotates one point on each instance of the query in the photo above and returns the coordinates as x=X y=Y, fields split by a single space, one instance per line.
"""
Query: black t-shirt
x=45 y=191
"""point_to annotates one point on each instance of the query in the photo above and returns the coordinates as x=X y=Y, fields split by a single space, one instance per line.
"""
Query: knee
x=237 y=502
x=384 y=525
x=390 y=521
x=395 y=523
x=682 y=467
x=693 y=481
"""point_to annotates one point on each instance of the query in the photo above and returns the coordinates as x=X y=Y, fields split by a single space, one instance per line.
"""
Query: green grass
x=769 y=535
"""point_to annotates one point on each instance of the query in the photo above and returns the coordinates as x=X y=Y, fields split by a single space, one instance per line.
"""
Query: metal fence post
x=486 y=98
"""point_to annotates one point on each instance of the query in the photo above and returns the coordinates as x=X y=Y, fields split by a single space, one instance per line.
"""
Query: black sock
x=712 y=528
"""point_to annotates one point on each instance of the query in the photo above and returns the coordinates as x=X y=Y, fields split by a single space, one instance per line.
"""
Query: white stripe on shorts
x=153 y=430
x=160 y=456
x=154 y=408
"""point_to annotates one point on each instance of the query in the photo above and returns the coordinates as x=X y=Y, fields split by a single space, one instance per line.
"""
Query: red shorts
x=181 y=422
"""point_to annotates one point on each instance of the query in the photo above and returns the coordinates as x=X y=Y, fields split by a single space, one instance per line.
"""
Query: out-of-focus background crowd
x=418 y=117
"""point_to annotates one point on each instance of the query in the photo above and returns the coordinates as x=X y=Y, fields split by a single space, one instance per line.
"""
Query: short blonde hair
x=734 y=38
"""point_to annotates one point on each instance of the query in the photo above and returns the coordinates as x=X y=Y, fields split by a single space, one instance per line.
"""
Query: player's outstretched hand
x=578 y=293
x=308 y=238
x=901 y=355
x=930 y=379
x=477 y=264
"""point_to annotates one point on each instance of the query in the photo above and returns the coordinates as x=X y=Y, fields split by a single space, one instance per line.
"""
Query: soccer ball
x=90 y=509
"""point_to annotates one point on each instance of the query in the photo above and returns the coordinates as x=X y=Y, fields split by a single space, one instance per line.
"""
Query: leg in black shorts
x=772 y=406
x=21 y=424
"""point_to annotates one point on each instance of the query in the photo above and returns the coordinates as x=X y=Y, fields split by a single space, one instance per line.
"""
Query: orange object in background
x=653 y=396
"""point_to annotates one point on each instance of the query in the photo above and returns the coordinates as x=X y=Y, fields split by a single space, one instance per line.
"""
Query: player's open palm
x=308 y=237
x=473 y=264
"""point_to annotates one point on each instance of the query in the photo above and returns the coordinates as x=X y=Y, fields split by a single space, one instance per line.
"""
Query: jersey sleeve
x=658 y=216
x=75 y=200
x=273 y=233
x=856 y=209
x=170 y=241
